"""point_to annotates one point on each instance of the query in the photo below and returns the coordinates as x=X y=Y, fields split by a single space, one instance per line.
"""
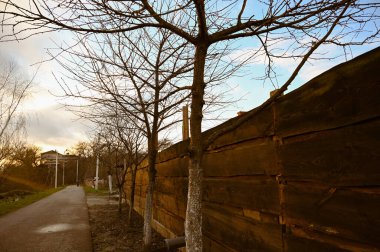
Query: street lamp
x=78 y=170
x=56 y=168
x=97 y=172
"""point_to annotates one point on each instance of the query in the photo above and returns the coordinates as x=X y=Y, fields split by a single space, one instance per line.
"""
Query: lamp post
x=77 y=171
x=56 y=168
x=97 y=172
x=63 y=173
x=64 y=158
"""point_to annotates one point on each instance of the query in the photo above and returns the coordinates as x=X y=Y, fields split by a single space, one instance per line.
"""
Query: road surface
x=56 y=223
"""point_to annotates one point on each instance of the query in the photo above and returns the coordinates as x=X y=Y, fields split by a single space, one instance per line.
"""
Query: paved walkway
x=56 y=223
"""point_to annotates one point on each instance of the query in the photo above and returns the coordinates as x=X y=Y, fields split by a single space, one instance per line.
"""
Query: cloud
x=324 y=58
x=48 y=125
x=55 y=128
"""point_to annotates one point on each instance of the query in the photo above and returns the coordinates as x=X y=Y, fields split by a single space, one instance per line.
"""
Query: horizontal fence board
x=294 y=243
x=340 y=96
x=210 y=245
x=171 y=204
x=177 y=167
x=253 y=193
x=347 y=156
x=176 y=186
x=239 y=233
x=342 y=212
x=305 y=239
x=177 y=150
x=171 y=221
x=260 y=125
x=245 y=159
x=142 y=177
x=139 y=202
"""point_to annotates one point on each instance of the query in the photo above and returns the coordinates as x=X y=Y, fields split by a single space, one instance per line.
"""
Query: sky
x=51 y=127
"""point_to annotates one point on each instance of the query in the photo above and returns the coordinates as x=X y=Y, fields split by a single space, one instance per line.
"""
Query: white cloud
x=55 y=128
x=49 y=126
x=324 y=58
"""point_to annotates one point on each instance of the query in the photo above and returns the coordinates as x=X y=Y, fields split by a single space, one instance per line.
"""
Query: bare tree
x=86 y=159
x=110 y=152
x=159 y=69
x=14 y=87
x=127 y=143
x=23 y=167
x=132 y=140
x=300 y=26
x=141 y=81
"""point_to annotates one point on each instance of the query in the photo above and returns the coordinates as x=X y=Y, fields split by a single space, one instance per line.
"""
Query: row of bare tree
x=133 y=85
x=118 y=151
x=17 y=160
x=14 y=88
x=137 y=61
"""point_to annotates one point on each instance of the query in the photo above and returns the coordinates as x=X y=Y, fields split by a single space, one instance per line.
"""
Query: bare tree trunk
x=193 y=224
x=148 y=213
x=132 y=196
x=120 y=197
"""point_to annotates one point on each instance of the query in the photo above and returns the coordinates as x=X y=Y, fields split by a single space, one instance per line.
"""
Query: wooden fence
x=302 y=175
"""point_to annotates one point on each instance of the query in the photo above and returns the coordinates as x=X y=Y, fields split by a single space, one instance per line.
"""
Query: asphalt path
x=56 y=223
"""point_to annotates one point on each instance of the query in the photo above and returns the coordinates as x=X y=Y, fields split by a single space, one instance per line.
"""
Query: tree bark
x=120 y=197
x=148 y=213
x=132 y=196
x=193 y=224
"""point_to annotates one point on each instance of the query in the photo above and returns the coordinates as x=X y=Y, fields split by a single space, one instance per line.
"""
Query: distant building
x=50 y=157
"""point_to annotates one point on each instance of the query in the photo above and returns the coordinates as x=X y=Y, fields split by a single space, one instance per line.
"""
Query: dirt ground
x=110 y=231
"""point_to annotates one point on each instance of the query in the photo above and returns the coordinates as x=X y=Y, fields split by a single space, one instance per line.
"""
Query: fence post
x=185 y=124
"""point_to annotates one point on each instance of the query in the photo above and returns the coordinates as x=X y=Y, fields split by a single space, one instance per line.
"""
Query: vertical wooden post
x=185 y=122
x=97 y=172
x=56 y=169
x=77 y=180
x=63 y=173
x=274 y=92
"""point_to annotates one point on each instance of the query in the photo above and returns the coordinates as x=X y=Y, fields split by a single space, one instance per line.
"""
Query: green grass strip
x=91 y=190
x=9 y=205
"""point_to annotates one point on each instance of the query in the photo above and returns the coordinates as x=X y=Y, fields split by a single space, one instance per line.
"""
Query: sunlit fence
x=302 y=174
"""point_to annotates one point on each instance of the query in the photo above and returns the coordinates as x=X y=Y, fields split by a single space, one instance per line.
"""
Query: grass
x=9 y=205
x=89 y=189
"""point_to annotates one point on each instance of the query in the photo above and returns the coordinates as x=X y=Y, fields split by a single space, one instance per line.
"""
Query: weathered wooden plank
x=171 y=221
x=345 y=94
x=342 y=212
x=140 y=190
x=256 y=215
x=177 y=167
x=172 y=185
x=175 y=151
x=210 y=245
x=139 y=203
x=260 y=125
x=304 y=239
x=239 y=233
x=171 y=204
x=256 y=193
x=142 y=177
x=294 y=243
x=347 y=157
x=127 y=190
x=254 y=158
x=161 y=229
